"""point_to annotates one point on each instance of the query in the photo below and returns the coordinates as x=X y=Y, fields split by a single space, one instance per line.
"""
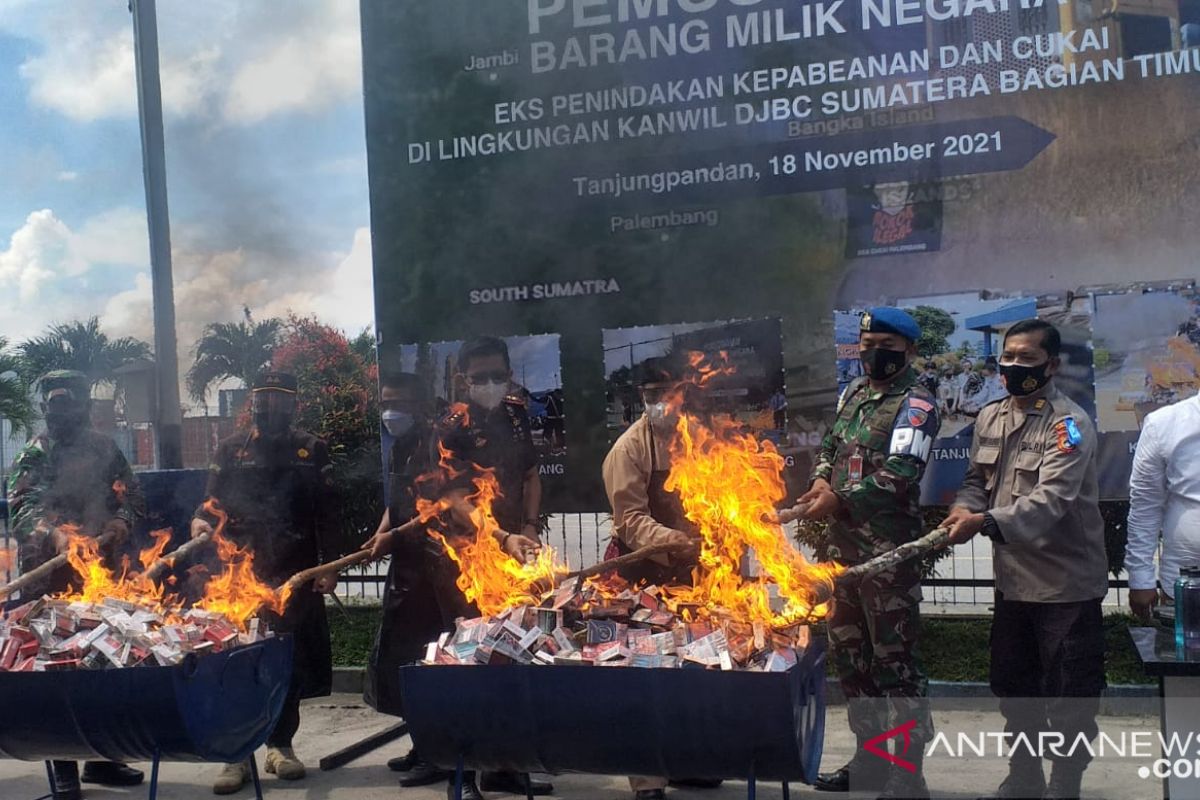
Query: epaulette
x=516 y=400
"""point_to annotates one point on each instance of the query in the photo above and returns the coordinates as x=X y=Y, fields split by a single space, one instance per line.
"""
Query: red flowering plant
x=338 y=401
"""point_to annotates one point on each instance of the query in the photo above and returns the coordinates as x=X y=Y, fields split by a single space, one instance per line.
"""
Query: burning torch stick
x=792 y=514
x=155 y=570
x=312 y=573
x=45 y=570
x=636 y=556
x=914 y=549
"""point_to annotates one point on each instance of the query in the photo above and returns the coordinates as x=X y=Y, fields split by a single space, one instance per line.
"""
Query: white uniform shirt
x=1164 y=496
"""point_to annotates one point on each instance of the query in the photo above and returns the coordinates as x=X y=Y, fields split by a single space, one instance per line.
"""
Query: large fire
x=488 y=577
x=730 y=484
x=236 y=592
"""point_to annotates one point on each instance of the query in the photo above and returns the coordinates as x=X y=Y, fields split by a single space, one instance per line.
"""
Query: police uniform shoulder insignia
x=920 y=403
x=1067 y=435
x=1040 y=404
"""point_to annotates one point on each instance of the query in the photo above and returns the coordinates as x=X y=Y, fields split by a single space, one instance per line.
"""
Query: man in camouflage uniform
x=867 y=483
x=71 y=475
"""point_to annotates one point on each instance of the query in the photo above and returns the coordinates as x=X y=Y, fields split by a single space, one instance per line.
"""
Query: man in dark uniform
x=71 y=475
x=273 y=482
x=492 y=431
x=412 y=615
x=867 y=483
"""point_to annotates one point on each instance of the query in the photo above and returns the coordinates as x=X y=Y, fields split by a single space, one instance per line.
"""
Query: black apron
x=416 y=607
x=267 y=501
x=667 y=509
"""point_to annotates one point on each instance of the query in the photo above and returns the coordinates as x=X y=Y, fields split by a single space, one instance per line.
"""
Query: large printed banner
x=620 y=178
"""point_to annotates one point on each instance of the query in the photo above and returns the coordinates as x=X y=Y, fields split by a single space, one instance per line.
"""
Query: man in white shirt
x=1164 y=500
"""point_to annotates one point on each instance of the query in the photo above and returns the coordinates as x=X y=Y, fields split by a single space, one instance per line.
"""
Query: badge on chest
x=856 y=468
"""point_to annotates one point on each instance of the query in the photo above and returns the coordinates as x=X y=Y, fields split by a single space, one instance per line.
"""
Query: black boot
x=904 y=785
x=869 y=773
x=1025 y=780
x=403 y=763
x=66 y=781
x=1066 y=781
x=110 y=773
x=513 y=783
x=422 y=773
x=470 y=789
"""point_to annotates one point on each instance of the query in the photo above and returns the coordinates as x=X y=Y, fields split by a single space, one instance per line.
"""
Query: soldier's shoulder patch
x=1067 y=435
x=920 y=404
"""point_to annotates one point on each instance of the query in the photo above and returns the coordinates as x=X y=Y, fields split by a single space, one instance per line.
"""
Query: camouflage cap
x=70 y=382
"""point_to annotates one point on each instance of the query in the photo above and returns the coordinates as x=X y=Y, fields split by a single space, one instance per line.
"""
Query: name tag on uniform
x=856 y=468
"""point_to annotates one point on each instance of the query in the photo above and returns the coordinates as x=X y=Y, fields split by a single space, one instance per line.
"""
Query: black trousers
x=289 y=722
x=1048 y=671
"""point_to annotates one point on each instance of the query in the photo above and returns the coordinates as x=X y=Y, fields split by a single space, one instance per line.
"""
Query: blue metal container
x=217 y=708
x=678 y=723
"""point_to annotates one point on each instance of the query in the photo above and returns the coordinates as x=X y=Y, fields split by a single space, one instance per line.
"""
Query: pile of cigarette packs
x=588 y=626
x=54 y=634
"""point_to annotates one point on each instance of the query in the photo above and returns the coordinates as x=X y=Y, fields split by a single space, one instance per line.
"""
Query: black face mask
x=272 y=424
x=64 y=424
x=883 y=365
x=1021 y=381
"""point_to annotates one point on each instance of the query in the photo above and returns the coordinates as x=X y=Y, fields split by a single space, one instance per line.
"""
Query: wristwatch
x=991 y=529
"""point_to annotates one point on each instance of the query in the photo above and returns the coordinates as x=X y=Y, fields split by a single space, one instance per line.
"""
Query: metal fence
x=962 y=582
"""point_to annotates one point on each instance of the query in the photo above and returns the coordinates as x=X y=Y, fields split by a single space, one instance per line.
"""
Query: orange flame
x=8 y=558
x=237 y=592
x=98 y=582
x=730 y=484
x=488 y=576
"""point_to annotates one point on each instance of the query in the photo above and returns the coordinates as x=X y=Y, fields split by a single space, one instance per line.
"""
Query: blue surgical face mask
x=398 y=423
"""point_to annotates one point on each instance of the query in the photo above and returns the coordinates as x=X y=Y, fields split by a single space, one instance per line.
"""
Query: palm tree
x=363 y=345
x=15 y=405
x=79 y=346
x=239 y=350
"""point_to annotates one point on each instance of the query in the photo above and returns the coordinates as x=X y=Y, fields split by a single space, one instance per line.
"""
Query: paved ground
x=334 y=722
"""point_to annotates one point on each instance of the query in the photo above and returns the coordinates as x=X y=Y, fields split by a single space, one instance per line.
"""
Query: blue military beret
x=886 y=319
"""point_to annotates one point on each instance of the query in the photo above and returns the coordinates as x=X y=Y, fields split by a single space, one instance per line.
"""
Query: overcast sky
x=266 y=164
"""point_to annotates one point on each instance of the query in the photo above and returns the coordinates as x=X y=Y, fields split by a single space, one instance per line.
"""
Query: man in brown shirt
x=644 y=513
x=1031 y=488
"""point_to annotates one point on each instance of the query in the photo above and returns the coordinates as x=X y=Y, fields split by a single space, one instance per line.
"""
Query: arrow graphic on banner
x=916 y=153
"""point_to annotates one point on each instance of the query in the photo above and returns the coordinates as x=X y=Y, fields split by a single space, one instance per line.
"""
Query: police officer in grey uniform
x=1031 y=488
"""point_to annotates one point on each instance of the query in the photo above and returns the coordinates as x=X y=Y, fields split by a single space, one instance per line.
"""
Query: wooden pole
x=914 y=549
x=169 y=560
x=312 y=573
x=623 y=561
x=46 y=569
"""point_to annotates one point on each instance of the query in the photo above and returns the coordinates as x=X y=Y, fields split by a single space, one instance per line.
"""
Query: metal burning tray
x=219 y=708
x=678 y=723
